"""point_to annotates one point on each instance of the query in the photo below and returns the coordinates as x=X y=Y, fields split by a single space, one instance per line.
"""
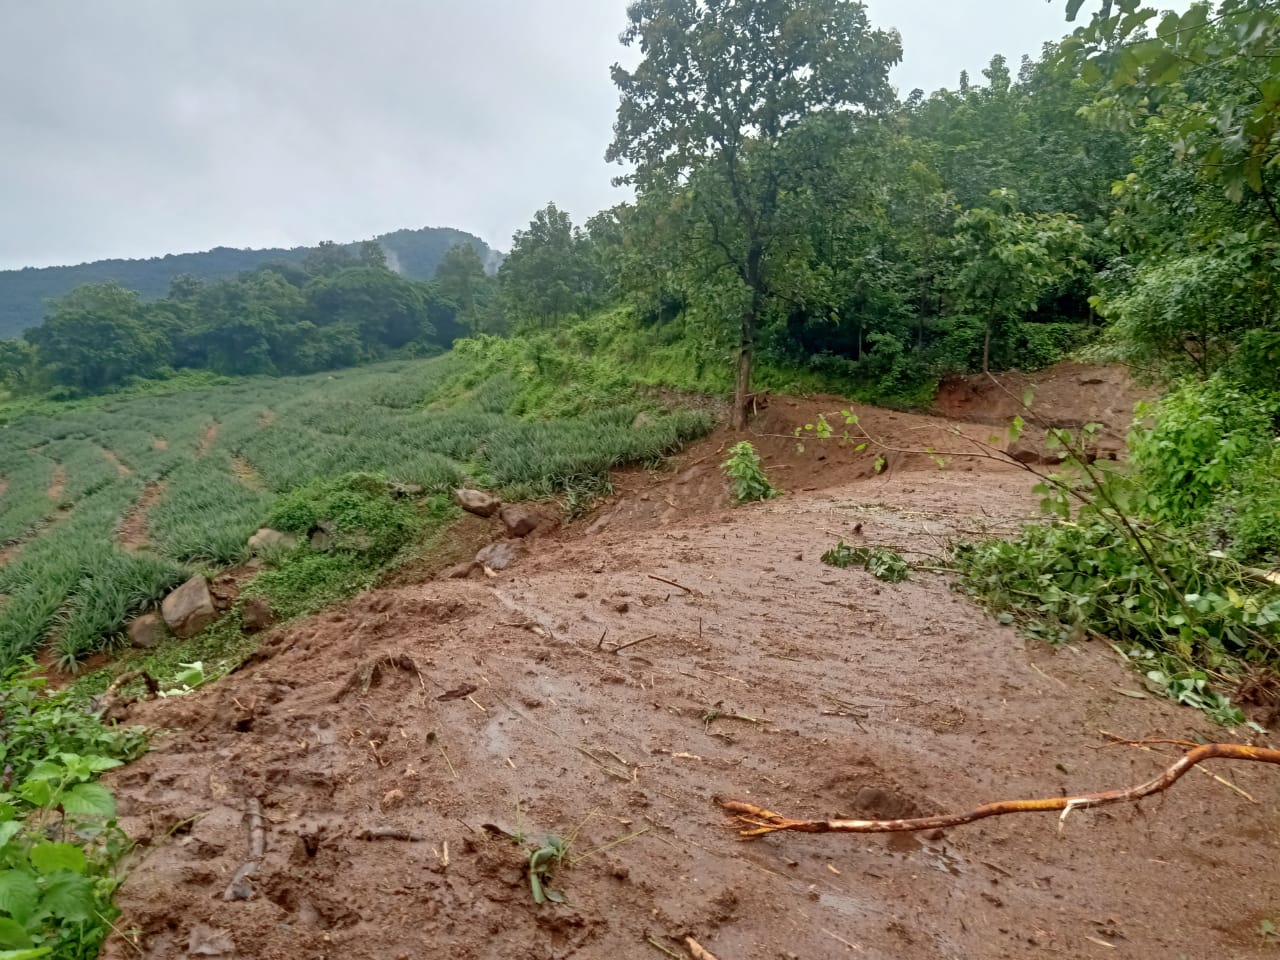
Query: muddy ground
x=577 y=695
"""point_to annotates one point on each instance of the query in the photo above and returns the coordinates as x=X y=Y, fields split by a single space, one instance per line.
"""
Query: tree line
x=336 y=308
x=1119 y=190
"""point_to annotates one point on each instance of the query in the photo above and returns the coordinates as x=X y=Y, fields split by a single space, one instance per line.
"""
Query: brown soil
x=267 y=418
x=246 y=473
x=132 y=532
x=121 y=469
x=208 y=439
x=59 y=484
x=881 y=701
x=160 y=443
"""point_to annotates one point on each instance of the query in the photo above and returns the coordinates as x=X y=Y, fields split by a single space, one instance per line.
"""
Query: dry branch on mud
x=758 y=822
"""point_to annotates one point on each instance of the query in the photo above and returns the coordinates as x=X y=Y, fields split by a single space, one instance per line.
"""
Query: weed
x=746 y=476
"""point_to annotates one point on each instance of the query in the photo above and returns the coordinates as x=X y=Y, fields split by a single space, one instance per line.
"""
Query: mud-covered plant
x=881 y=562
x=746 y=476
x=542 y=862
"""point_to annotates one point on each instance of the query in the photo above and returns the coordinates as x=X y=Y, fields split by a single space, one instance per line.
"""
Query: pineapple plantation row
x=191 y=475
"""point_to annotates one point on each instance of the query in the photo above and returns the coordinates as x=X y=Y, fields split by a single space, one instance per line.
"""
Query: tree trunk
x=746 y=343
x=986 y=351
x=742 y=389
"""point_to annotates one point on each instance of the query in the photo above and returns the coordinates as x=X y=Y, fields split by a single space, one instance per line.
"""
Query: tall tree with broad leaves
x=720 y=85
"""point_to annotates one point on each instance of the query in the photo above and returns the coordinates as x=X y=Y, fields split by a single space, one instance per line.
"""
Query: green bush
x=746 y=477
x=365 y=515
x=1206 y=434
x=1245 y=519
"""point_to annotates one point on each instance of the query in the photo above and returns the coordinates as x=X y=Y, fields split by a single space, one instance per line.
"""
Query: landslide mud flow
x=395 y=746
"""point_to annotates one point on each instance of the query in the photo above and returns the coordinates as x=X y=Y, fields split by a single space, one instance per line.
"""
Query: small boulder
x=257 y=615
x=523 y=519
x=146 y=631
x=267 y=540
x=462 y=571
x=189 y=609
x=477 y=501
x=1031 y=450
x=322 y=536
x=499 y=556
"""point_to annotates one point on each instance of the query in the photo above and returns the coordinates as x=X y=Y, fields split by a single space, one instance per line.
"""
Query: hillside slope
x=413 y=253
x=391 y=741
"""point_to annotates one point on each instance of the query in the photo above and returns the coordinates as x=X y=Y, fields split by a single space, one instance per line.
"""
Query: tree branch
x=758 y=822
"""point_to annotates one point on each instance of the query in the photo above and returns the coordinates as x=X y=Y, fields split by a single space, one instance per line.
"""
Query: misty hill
x=414 y=254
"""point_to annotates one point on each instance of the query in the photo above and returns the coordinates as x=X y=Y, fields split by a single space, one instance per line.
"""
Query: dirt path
x=882 y=701
x=122 y=471
x=58 y=486
x=208 y=438
x=132 y=532
x=247 y=473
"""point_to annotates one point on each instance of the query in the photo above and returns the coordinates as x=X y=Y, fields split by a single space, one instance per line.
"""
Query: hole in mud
x=860 y=799
x=245 y=725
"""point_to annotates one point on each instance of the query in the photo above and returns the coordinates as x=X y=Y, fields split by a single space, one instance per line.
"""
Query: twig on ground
x=240 y=888
x=391 y=833
x=654 y=943
x=697 y=950
x=758 y=822
x=670 y=583
x=634 y=643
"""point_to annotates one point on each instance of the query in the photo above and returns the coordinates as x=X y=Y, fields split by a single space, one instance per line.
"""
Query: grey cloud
x=140 y=127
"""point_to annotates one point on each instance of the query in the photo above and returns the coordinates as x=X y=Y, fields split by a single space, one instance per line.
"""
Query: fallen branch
x=670 y=583
x=758 y=822
x=697 y=950
x=110 y=702
x=240 y=888
x=394 y=833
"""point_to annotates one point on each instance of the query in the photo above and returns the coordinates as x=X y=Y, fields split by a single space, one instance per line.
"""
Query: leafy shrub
x=1205 y=435
x=365 y=515
x=881 y=562
x=1088 y=579
x=746 y=476
x=1245 y=520
x=58 y=837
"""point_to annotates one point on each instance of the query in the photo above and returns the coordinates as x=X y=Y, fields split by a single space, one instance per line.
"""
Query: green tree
x=550 y=272
x=461 y=278
x=1007 y=263
x=19 y=365
x=97 y=337
x=387 y=310
x=721 y=84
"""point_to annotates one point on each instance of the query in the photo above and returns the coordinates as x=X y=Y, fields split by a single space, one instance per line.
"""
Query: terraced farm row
x=103 y=510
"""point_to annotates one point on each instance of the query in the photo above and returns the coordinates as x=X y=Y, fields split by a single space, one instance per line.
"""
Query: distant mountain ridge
x=412 y=253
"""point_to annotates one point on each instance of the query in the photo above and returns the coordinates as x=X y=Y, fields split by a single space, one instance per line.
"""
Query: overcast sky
x=141 y=127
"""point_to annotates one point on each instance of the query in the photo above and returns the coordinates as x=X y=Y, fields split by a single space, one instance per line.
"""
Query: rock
x=1031 y=450
x=147 y=631
x=257 y=615
x=205 y=941
x=499 y=556
x=523 y=519
x=477 y=501
x=189 y=609
x=462 y=571
x=322 y=534
x=224 y=590
x=267 y=540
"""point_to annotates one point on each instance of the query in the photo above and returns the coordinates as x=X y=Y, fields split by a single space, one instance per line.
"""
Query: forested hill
x=415 y=254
